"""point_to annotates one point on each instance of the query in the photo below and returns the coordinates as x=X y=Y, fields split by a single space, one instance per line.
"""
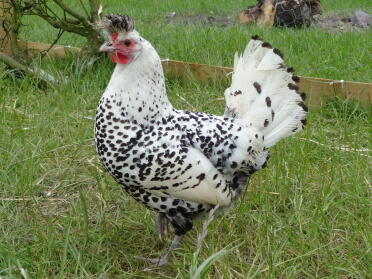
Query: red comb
x=114 y=37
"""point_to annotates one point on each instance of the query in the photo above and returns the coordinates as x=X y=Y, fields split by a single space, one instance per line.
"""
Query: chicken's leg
x=162 y=225
x=164 y=259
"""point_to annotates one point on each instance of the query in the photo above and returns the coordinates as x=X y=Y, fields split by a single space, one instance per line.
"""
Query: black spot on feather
x=292 y=86
x=267 y=45
x=296 y=79
x=278 y=52
x=266 y=122
x=172 y=212
x=268 y=101
x=237 y=92
x=264 y=165
x=290 y=70
x=256 y=37
x=302 y=104
x=257 y=86
x=304 y=122
x=303 y=95
x=201 y=176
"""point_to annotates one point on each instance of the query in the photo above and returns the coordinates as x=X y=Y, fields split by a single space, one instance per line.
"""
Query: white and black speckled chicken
x=180 y=163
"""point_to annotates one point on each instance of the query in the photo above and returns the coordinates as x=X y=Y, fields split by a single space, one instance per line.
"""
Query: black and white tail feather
x=264 y=94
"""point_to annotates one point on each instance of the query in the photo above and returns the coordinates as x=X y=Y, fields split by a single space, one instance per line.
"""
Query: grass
x=307 y=215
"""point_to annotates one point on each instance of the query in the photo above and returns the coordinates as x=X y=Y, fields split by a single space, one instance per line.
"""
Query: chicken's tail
x=264 y=94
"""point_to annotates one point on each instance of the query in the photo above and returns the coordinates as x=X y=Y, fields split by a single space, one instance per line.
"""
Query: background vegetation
x=307 y=215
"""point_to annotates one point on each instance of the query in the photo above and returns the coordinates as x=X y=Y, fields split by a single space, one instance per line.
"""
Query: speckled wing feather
x=197 y=158
x=186 y=175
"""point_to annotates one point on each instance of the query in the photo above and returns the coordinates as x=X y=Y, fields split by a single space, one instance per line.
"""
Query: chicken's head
x=125 y=43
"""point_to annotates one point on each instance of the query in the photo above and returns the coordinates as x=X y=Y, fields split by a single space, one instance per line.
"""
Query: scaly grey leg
x=163 y=260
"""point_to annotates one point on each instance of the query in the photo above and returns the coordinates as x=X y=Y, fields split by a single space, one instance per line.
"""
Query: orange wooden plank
x=200 y=72
x=34 y=48
x=317 y=88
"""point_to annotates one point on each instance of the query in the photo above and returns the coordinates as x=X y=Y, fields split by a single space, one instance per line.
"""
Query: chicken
x=182 y=164
x=289 y=13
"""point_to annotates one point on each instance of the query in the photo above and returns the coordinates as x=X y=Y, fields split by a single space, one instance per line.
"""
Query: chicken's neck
x=136 y=91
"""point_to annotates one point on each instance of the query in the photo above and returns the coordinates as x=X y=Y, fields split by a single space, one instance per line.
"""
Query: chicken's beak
x=107 y=47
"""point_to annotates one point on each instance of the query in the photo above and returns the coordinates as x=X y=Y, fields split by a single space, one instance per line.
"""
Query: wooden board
x=33 y=49
x=320 y=87
x=200 y=72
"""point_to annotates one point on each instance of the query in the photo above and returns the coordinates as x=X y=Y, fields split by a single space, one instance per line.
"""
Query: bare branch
x=83 y=6
x=94 y=8
x=60 y=33
x=39 y=74
x=71 y=12
x=65 y=18
x=60 y=24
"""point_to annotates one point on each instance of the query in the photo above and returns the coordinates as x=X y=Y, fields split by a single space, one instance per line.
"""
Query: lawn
x=307 y=215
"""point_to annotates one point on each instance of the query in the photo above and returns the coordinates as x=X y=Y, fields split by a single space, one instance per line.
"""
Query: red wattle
x=119 y=58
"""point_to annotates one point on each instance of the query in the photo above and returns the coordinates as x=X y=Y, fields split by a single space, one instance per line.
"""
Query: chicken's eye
x=127 y=42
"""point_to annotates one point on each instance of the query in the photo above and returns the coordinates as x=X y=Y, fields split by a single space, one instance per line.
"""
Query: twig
x=67 y=25
x=367 y=182
x=266 y=192
x=9 y=108
x=93 y=165
x=95 y=10
x=185 y=101
x=69 y=20
x=45 y=52
x=22 y=271
x=71 y=12
x=50 y=10
x=31 y=199
x=83 y=6
x=89 y=118
x=347 y=149
x=219 y=99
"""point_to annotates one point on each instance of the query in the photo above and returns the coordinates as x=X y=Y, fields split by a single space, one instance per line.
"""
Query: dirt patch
x=209 y=20
x=333 y=23
x=341 y=22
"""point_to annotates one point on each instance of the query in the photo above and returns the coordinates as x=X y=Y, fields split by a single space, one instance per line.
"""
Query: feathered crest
x=116 y=23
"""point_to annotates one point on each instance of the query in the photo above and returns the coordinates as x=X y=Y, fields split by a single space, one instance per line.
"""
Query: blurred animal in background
x=289 y=13
x=182 y=164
